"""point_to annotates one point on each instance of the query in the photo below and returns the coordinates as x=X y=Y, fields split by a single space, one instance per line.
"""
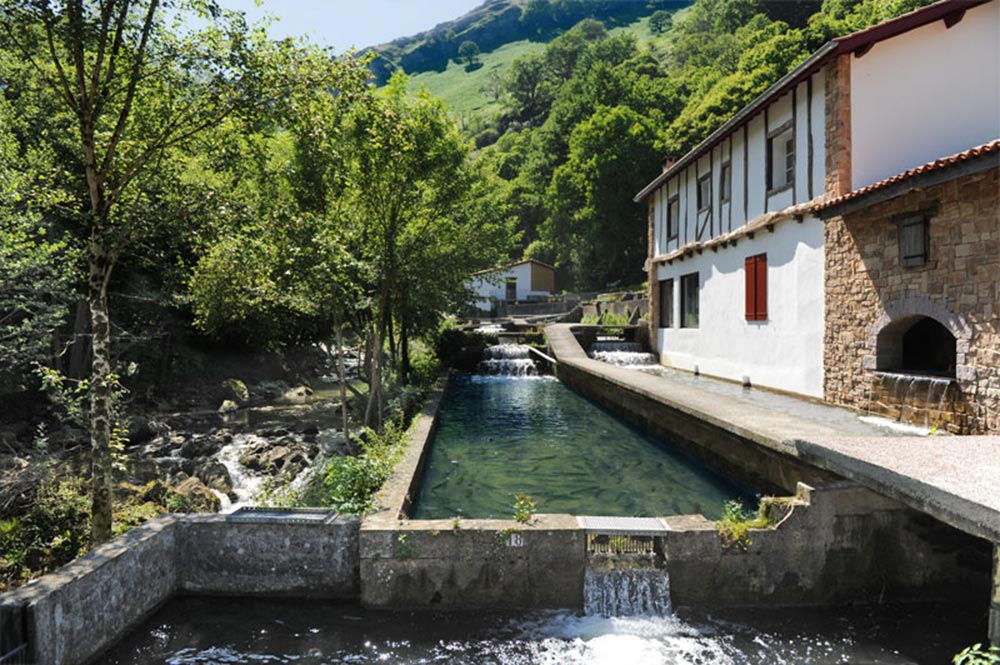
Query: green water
x=499 y=436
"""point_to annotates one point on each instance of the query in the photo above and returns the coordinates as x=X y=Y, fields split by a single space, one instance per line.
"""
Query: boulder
x=236 y=391
x=200 y=498
x=228 y=406
x=141 y=470
x=215 y=475
x=297 y=394
x=202 y=446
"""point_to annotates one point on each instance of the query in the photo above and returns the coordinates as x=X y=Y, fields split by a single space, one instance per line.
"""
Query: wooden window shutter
x=755 y=268
x=761 y=287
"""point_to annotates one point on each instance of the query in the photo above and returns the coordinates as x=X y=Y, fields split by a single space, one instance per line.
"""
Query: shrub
x=348 y=484
x=54 y=531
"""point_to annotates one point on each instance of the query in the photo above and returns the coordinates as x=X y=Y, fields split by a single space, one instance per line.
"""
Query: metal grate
x=258 y=515
x=600 y=543
x=17 y=656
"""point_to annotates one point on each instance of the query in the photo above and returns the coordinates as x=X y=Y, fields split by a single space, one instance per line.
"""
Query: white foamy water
x=246 y=483
x=895 y=426
x=625 y=358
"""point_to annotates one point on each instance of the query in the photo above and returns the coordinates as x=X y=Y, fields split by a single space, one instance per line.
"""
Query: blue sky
x=345 y=23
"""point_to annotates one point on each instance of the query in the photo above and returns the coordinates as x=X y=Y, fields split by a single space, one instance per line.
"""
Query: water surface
x=499 y=436
x=215 y=630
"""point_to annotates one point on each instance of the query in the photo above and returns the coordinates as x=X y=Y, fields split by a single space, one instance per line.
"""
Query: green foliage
x=468 y=52
x=735 y=525
x=404 y=550
x=660 y=21
x=978 y=654
x=524 y=508
x=53 y=532
x=348 y=484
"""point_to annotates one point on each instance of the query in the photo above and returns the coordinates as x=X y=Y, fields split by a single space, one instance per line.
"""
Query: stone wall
x=838 y=126
x=959 y=286
x=86 y=606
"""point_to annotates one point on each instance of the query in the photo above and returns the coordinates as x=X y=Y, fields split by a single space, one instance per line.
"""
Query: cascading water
x=622 y=354
x=904 y=397
x=508 y=360
x=626 y=585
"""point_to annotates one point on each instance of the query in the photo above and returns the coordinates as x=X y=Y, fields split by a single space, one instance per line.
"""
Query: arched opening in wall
x=916 y=345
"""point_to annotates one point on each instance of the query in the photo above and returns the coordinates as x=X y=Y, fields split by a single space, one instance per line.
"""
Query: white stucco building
x=518 y=282
x=736 y=256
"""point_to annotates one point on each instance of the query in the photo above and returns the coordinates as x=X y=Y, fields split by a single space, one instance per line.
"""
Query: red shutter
x=761 y=287
x=755 y=269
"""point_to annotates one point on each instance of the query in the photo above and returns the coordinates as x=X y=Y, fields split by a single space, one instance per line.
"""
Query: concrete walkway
x=954 y=479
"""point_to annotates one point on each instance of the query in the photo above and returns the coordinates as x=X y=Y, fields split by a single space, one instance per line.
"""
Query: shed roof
x=518 y=263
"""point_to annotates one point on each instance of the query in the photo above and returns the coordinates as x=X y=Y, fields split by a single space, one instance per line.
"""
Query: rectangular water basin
x=499 y=436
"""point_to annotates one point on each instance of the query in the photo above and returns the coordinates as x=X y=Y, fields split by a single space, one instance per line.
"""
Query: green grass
x=464 y=92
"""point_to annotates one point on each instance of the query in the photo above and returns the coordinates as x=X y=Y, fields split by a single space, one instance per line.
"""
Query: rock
x=297 y=394
x=228 y=406
x=200 y=498
x=312 y=429
x=141 y=470
x=215 y=475
x=142 y=430
x=202 y=446
x=236 y=391
x=155 y=491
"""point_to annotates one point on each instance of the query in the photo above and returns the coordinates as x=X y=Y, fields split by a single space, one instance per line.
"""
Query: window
x=666 y=303
x=913 y=242
x=756 y=287
x=705 y=192
x=673 y=218
x=726 y=182
x=689 y=300
x=781 y=159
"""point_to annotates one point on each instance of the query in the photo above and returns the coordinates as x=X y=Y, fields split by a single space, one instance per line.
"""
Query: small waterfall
x=507 y=360
x=913 y=398
x=622 y=354
x=626 y=585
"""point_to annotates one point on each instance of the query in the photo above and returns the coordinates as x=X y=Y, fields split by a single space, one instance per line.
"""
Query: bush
x=54 y=531
x=348 y=484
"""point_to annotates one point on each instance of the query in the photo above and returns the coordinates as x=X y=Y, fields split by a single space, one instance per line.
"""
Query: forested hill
x=499 y=22
x=576 y=123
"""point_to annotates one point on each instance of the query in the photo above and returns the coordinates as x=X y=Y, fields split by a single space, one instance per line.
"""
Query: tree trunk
x=100 y=392
x=342 y=374
x=404 y=351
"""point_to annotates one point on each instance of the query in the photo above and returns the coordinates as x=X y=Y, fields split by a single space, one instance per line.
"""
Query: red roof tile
x=944 y=162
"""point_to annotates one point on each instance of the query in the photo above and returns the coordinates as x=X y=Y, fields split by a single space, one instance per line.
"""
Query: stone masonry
x=959 y=286
x=838 y=126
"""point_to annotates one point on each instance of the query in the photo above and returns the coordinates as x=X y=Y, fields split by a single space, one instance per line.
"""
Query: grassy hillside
x=468 y=93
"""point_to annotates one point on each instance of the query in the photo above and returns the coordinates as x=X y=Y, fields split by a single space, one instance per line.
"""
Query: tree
x=136 y=92
x=661 y=21
x=469 y=53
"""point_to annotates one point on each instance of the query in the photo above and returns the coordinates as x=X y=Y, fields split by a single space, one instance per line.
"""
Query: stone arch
x=899 y=315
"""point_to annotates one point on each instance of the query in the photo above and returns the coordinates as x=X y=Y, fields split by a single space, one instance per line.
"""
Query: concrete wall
x=430 y=564
x=925 y=94
x=784 y=352
x=841 y=544
x=86 y=606
x=219 y=557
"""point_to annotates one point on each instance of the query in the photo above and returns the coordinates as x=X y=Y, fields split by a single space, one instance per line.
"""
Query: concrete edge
x=956 y=511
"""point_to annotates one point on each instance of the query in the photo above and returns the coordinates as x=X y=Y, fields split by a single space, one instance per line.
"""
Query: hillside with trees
x=585 y=122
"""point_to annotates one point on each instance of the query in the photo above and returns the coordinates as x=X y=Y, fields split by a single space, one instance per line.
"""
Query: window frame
x=788 y=168
x=673 y=225
x=686 y=300
x=726 y=182
x=705 y=204
x=666 y=293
